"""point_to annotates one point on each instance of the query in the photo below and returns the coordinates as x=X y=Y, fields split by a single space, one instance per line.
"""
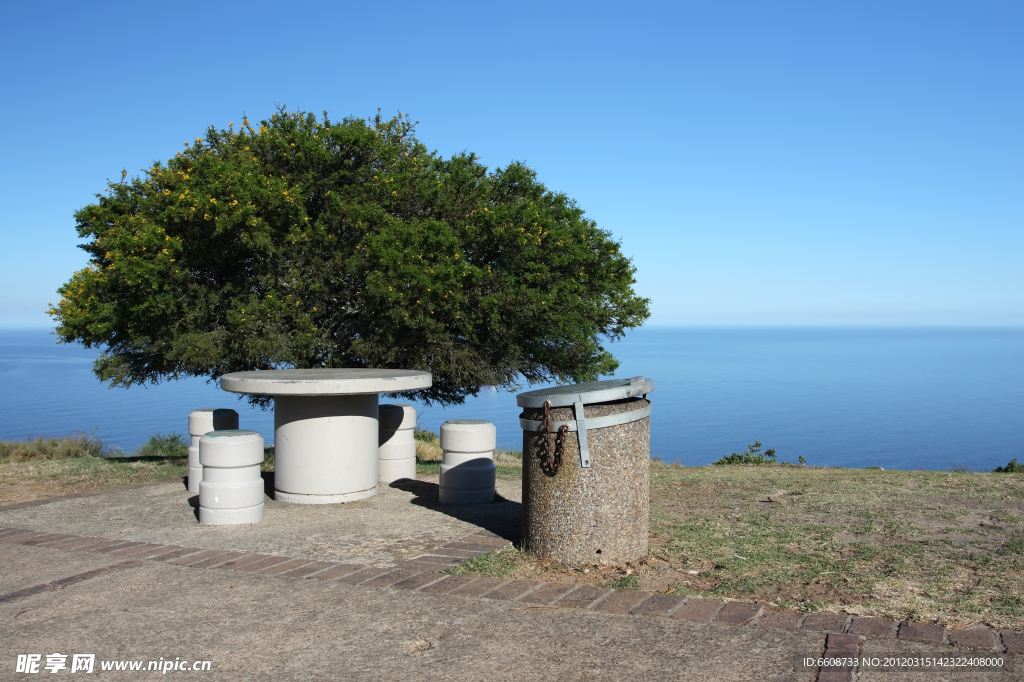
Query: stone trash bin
x=586 y=471
x=396 y=449
x=200 y=422
x=467 y=461
x=231 y=491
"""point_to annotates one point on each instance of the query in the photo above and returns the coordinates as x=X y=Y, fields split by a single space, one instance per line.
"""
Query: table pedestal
x=325 y=448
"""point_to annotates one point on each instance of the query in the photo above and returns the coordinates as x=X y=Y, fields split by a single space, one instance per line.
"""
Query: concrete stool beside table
x=231 y=491
x=199 y=423
x=396 y=449
x=467 y=461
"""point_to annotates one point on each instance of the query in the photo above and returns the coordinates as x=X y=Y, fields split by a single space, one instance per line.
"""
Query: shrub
x=169 y=445
x=428 y=446
x=77 y=445
x=752 y=455
x=426 y=436
x=1012 y=468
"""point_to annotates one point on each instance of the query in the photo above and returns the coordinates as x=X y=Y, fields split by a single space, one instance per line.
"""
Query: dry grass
x=46 y=467
x=428 y=447
x=77 y=445
x=924 y=545
x=26 y=481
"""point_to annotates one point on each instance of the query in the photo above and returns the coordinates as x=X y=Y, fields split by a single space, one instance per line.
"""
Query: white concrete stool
x=231 y=491
x=200 y=422
x=396 y=450
x=467 y=463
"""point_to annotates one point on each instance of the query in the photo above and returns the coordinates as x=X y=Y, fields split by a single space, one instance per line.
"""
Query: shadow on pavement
x=502 y=517
x=194 y=503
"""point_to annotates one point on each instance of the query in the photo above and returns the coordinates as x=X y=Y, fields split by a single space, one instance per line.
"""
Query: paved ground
x=397 y=524
x=135 y=605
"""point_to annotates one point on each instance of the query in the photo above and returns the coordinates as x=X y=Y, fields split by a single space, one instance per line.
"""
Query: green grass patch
x=96 y=472
x=1013 y=546
x=626 y=582
x=268 y=459
x=502 y=563
x=428 y=468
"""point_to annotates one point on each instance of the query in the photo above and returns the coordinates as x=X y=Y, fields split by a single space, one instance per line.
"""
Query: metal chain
x=554 y=446
x=560 y=446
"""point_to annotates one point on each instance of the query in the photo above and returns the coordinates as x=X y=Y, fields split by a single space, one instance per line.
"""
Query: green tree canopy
x=303 y=242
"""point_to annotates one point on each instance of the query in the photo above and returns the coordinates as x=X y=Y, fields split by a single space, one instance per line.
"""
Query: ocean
x=900 y=398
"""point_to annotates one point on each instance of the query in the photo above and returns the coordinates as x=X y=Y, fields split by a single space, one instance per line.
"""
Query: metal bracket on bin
x=581 y=434
x=592 y=423
x=579 y=425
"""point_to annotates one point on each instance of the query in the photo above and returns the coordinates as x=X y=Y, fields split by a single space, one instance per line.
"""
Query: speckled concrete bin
x=199 y=423
x=587 y=504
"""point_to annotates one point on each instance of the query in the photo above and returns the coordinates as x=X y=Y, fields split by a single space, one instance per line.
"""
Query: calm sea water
x=895 y=398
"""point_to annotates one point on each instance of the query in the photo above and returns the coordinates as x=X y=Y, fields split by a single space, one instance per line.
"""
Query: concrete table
x=325 y=427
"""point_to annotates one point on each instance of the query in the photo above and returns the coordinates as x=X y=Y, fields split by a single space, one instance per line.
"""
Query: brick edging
x=421 y=574
x=68 y=581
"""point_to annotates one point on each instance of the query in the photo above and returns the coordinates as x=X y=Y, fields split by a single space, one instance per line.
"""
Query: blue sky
x=763 y=163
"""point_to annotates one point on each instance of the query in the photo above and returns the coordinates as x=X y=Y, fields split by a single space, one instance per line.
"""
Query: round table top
x=325 y=381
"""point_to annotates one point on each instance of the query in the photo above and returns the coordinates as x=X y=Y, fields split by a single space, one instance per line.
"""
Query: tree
x=308 y=243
